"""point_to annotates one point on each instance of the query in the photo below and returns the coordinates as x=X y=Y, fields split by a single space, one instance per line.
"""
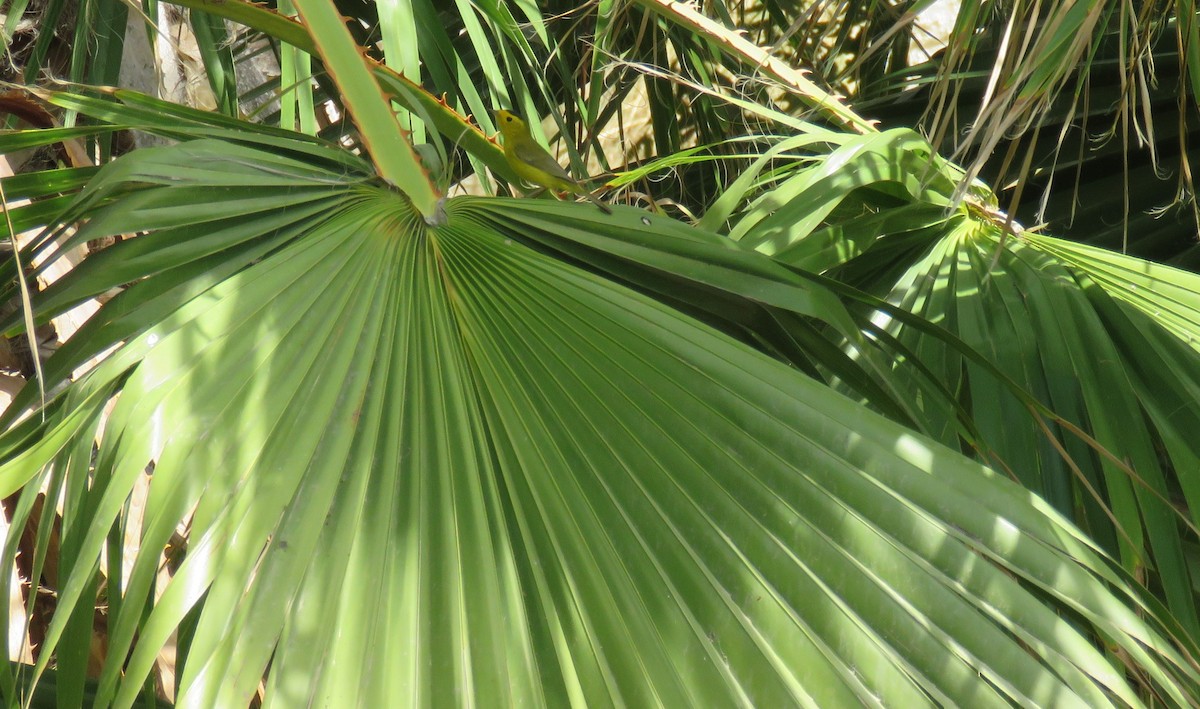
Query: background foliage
x=866 y=394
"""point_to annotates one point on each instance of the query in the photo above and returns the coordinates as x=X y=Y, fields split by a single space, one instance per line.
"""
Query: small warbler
x=533 y=164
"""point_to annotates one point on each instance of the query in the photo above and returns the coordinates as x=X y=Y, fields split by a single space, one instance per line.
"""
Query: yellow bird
x=533 y=164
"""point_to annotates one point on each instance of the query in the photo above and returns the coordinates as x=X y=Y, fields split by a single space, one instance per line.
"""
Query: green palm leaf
x=419 y=461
